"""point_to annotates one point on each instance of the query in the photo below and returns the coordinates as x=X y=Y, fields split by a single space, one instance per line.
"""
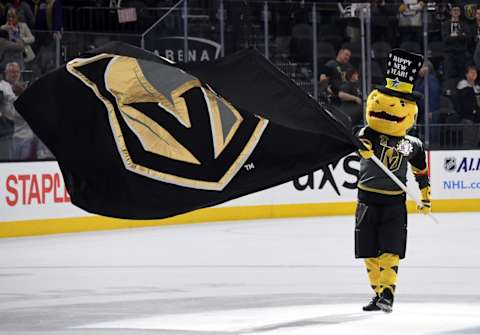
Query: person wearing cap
x=381 y=214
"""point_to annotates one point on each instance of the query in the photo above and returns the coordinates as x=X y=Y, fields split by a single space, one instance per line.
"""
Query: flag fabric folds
x=138 y=137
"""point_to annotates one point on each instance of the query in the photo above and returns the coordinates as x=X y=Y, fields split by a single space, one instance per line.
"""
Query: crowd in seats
x=453 y=57
x=17 y=140
x=21 y=50
x=28 y=30
x=453 y=44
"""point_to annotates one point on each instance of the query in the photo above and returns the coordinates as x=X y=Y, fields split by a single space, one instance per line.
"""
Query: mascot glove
x=366 y=153
x=426 y=207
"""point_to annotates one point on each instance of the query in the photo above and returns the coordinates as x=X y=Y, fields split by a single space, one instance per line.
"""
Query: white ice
x=285 y=276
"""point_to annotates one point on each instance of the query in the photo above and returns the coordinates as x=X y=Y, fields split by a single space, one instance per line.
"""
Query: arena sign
x=199 y=49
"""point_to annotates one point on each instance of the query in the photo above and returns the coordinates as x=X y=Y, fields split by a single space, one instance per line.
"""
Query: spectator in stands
x=24 y=144
x=7 y=116
x=337 y=69
x=437 y=12
x=13 y=74
x=350 y=95
x=48 y=15
x=427 y=73
x=24 y=140
x=3 y=11
x=48 y=18
x=23 y=10
x=469 y=106
x=325 y=92
x=6 y=132
x=475 y=29
x=410 y=20
x=349 y=20
x=20 y=31
x=239 y=16
x=476 y=38
x=10 y=50
x=282 y=25
x=455 y=34
x=384 y=21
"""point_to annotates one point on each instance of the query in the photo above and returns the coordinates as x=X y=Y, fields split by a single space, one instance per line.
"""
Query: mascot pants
x=380 y=229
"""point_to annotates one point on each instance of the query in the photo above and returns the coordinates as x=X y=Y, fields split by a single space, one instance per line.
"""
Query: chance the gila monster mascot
x=381 y=214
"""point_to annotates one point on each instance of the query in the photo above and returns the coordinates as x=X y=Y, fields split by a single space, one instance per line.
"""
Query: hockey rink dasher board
x=33 y=199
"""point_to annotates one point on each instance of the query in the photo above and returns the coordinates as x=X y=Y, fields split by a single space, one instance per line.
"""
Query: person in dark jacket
x=427 y=73
x=469 y=106
x=337 y=69
x=455 y=34
x=350 y=95
x=48 y=15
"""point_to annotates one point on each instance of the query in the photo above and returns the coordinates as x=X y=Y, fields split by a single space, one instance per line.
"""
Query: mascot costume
x=381 y=214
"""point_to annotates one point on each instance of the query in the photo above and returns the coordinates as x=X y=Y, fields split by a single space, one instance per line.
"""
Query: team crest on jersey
x=391 y=158
x=405 y=147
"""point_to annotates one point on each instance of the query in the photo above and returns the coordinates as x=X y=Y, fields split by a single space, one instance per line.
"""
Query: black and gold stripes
x=382 y=272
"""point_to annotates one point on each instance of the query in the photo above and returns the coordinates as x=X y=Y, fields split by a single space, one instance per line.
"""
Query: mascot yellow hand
x=366 y=153
x=426 y=201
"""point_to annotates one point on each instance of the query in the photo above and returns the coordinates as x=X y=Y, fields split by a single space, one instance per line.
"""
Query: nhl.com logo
x=450 y=164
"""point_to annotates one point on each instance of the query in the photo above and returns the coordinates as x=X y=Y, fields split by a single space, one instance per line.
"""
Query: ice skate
x=385 y=301
x=372 y=305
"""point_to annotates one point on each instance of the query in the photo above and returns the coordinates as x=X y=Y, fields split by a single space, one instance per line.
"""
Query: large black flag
x=138 y=137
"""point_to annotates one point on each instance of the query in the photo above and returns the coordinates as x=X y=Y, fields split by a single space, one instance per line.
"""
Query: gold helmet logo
x=470 y=11
x=391 y=158
x=167 y=125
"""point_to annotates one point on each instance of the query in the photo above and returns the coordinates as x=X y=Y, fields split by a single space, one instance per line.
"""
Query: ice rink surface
x=285 y=276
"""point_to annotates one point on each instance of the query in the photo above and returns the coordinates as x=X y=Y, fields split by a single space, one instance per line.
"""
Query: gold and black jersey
x=395 y=153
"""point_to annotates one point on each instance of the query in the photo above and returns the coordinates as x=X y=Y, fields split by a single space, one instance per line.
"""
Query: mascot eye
x=402 y=103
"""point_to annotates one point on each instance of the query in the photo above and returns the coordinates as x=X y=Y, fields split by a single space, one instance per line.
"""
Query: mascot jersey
x=395 y=153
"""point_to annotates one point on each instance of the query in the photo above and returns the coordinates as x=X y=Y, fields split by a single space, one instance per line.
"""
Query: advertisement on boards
x=337 y=183
x=455 y=174
x=34 y=190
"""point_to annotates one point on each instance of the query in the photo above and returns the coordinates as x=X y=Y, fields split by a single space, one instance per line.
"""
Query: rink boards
x=33 y=199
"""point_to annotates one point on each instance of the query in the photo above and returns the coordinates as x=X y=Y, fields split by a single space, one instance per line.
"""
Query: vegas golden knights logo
x=391 y=158
x=167 y=125
x=469 y=11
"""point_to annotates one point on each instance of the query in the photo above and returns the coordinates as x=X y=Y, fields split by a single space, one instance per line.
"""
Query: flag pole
x=400 y=184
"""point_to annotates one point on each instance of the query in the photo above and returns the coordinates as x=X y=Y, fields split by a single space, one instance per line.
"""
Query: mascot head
x=392 y=109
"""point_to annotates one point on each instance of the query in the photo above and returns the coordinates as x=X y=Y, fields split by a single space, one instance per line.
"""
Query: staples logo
x=35 y=189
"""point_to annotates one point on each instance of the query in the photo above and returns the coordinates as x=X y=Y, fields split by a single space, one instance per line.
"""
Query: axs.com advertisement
x=335 y=183
x=456 y=174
